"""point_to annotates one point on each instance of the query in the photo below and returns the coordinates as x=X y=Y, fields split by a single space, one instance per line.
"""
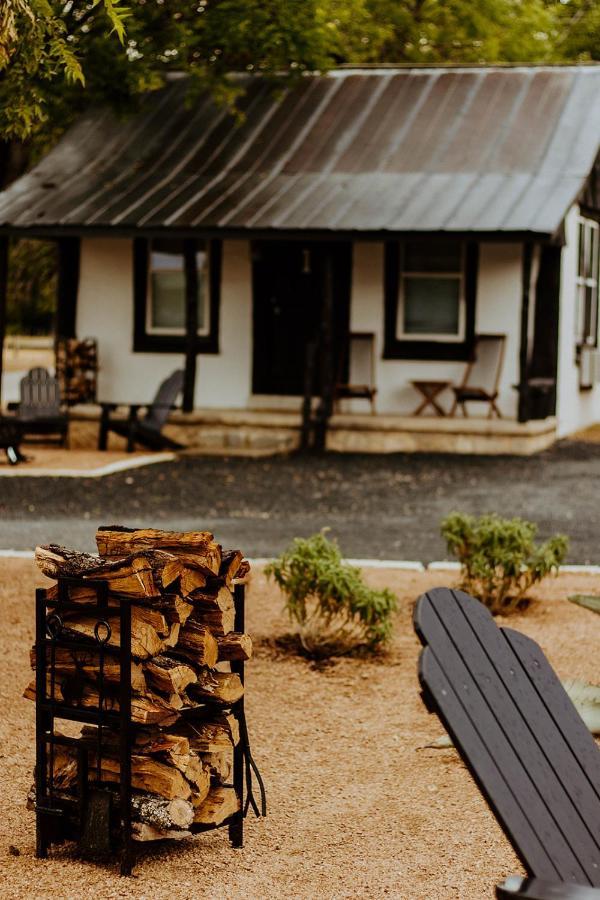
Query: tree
x=51 y=49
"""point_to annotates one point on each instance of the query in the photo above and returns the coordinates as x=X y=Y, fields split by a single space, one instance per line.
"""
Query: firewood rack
x=98 y=817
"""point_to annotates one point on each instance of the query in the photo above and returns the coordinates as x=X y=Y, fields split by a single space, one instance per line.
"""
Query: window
x=165 y=307
x=160 y=294
x=430 y=299
x=586 y=299
x=431 y=303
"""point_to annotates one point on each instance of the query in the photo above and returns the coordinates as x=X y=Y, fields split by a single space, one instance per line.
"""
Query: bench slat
x=523 y=757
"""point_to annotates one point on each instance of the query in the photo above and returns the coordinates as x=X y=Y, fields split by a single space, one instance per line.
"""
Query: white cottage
x=359 y=228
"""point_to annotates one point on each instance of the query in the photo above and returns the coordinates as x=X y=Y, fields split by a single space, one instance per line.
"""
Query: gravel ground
x=358 y=808
x=386 y=507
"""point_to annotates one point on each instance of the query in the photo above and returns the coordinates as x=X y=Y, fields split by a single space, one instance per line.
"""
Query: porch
x=265 y=432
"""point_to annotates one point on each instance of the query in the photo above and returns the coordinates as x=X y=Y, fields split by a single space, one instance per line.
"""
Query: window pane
x=167 y=288
x=431 y=305
x=432 y=256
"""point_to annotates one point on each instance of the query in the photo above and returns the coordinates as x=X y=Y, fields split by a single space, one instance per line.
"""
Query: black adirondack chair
x=147 y=429
x=40 y=410
x=521 y=738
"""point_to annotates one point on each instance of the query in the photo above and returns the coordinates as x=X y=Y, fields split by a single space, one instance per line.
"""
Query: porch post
x=67 y=288
x=191 y=322
x=523 y=411
x=3 y=299
x=327 y=362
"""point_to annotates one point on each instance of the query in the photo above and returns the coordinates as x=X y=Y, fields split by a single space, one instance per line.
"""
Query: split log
x=145 y=641
x=234 y=646
x=219 y=733
x=219 y=622
x=160 y=813
x=172 y=639
x=73 y=662
x=220 y=687
x=221 y=803
x=218 y=765
x=147 y=774
x=197 y=643
x=196 y=548
x=147 y=809
x=169 y=675
x=142 y=832
x=145 y=710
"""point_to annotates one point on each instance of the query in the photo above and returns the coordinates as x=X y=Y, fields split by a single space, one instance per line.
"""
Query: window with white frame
x=431 y=298
x=165 y=308
x=586 y=299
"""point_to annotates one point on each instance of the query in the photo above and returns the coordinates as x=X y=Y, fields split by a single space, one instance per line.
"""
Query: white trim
x=458 y=275
x=17 y=554
x=121 y=465
x=206 y=280
x=444 y=566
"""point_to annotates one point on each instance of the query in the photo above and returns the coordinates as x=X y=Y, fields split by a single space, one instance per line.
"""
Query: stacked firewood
x=180 y=589
x=76 y=369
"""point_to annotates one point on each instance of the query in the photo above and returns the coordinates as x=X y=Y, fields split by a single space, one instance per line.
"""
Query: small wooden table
x=430 y=391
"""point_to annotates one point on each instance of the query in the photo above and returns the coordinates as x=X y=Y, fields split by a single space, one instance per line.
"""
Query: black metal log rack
x=98 y=816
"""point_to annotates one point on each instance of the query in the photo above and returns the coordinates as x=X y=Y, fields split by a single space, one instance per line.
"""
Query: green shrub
x=333 y=609
x=499 y=558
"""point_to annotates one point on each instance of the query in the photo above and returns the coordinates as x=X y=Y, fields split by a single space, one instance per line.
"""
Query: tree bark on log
x=234 y=646
x=160 y=813
x=197 y=643
x=196 y=548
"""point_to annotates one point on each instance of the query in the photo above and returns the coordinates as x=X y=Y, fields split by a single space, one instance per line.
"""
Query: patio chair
x=522 y=740
x=356 y=376
x=482 y=375
x=146 y=430
x=40 y=410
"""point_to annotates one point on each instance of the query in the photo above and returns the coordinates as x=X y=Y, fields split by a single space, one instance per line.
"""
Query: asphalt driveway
x=386 y=507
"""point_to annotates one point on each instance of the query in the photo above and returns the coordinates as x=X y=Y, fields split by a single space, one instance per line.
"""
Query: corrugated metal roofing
x=448 y=149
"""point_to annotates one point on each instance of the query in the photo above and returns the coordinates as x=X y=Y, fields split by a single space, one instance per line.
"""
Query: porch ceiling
x=382 y=150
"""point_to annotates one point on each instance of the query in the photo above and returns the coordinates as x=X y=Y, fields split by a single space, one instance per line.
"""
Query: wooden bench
x=521 y=738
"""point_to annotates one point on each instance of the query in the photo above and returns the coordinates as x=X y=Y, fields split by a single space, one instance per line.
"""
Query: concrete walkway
x=384 y=507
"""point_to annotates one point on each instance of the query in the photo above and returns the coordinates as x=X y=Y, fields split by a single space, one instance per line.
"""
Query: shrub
x=333 y=609
x=499 y=558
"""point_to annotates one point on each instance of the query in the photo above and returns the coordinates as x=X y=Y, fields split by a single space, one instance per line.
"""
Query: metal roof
x=413 y=149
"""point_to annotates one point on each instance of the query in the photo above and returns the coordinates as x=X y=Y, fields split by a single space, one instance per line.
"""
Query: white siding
x=498 y=311
x=575 y=409
x=105 y=311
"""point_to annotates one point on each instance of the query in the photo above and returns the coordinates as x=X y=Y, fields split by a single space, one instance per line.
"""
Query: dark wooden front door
x=288 y=285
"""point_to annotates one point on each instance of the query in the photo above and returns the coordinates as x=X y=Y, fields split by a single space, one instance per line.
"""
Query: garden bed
x=357 y=807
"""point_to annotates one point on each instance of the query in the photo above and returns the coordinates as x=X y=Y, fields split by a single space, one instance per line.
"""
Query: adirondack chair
x=145 y=430
x=40 y=410
x=522 y=740
x=482 y=375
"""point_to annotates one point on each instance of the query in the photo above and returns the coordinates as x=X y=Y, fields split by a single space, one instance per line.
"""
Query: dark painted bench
x=40 y=410
x=521 y=738
x=147 y=429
